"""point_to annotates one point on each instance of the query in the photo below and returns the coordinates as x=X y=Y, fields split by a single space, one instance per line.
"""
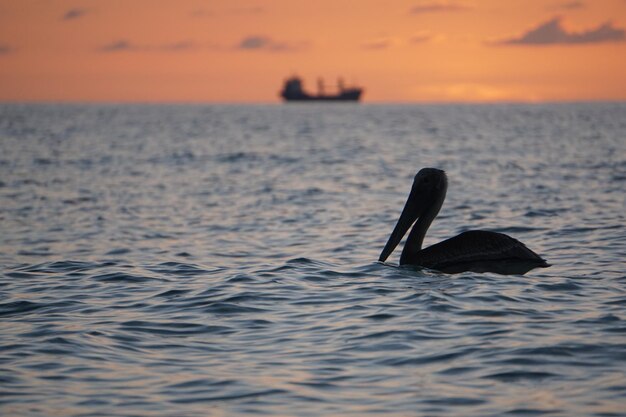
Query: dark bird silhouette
x=475 y=250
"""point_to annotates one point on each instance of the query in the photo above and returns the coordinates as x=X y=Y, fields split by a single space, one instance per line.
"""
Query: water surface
x=220 y=260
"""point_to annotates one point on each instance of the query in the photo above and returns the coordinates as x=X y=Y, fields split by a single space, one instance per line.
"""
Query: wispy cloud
x=256 y=42
x=74 y=13
x=569 y=5
x=120 y=45
x=6 y=49
x=553 y=33
x=421 y=37
x=388 y=42
x=265 y=43
x=178 y=46
x=124 y=45
x=249 y=43
x=381 y=43
x=439 y=6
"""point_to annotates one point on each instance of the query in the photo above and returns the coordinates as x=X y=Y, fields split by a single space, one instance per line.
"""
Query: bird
x=474 y=250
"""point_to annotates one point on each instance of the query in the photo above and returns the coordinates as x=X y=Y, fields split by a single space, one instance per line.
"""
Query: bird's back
x=478 y=251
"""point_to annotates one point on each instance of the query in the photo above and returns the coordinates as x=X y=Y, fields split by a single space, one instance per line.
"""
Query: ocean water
x=192 y=260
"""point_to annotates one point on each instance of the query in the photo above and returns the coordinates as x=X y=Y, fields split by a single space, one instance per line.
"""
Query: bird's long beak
x=411 y=211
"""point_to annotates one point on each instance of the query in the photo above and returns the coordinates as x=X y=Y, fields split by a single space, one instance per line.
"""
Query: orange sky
x=240 y=51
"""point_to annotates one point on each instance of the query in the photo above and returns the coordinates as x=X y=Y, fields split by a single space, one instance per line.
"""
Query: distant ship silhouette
x=293 y=91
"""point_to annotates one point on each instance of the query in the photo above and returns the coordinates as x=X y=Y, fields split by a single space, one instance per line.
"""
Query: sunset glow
x=241 y=50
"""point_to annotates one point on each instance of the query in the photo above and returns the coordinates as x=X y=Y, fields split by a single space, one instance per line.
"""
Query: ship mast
x=320 y=86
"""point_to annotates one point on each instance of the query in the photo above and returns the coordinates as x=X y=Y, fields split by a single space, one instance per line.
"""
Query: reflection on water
x=220 y=260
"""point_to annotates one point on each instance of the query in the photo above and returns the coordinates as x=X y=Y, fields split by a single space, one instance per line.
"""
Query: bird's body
x=475 y=250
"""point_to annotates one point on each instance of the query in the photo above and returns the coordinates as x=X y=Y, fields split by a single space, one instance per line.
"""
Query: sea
x=221 y=260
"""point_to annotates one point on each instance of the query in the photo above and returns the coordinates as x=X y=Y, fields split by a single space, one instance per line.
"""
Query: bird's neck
x=418 y=232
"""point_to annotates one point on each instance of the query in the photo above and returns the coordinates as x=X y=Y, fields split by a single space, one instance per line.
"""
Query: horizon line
x=280 y=102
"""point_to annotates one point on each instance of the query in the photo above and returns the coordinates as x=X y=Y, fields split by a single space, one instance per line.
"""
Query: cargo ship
x=293 y=90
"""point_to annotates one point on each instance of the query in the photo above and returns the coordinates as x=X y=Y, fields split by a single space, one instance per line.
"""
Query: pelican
x=474 y=250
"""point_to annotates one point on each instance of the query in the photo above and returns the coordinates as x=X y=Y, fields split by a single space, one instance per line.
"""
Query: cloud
x=421 y=37
x=250 y=43
x=439 y=6
x=570 y=5
x=388 y=42
x=264 y=43
x=177 y=46
x=121 y=45
x=553 y=33
x=255 y=42
x=6 y=49
x=379 y=43
x=75 y=13
x=124 y=45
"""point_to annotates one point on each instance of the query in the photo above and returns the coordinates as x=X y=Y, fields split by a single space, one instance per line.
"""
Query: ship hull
x=346 y=96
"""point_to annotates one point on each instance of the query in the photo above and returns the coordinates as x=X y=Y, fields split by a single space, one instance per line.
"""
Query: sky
x=241 y=50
